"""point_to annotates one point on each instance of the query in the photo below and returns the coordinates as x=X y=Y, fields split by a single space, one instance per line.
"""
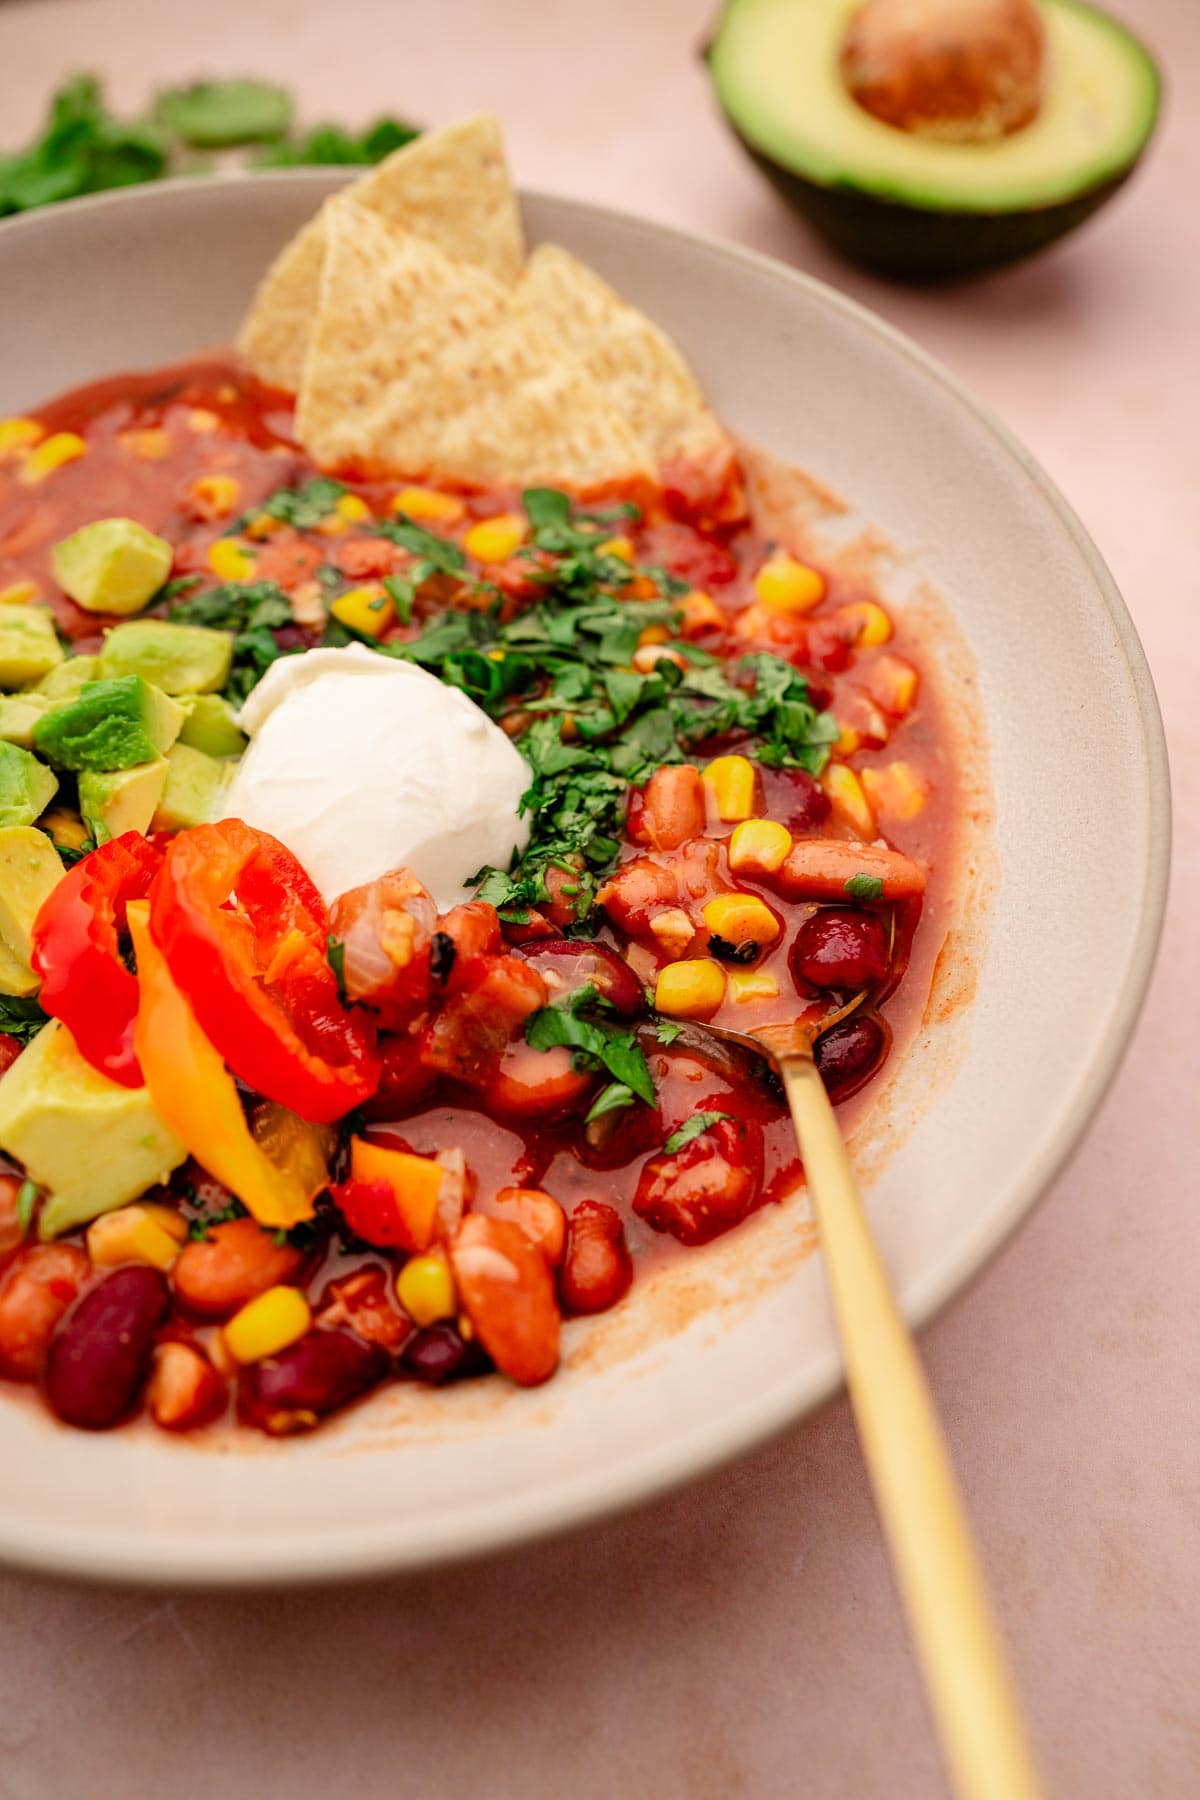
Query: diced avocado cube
x=16 y=977
x=194 y=789
x=19 y=714
x=27 y=786
x=109 y=725
x=91 y=1142
x=180 y=659
x=29 y=646
x=30 y=870
x=117 y=800
x=211 y=725
x=112 y=565
x=69 y=677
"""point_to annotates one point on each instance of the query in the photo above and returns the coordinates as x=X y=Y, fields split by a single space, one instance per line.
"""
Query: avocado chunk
x=112 y=565
x=16 y=977
x=29 y=646
x=211 y=725
x=30 y=870
x=195 y=787
x=27 y=786
x=109 y=725
x=180 y=659
x=92 y=1143
x=68 y=677
x=19 y=713
x=117 y=800
x=911 y=202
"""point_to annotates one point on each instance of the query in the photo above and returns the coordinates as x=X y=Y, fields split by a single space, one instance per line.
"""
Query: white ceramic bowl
x=734 y=1342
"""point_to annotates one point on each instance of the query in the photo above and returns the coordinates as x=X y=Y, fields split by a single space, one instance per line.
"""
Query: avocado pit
x=961 y=71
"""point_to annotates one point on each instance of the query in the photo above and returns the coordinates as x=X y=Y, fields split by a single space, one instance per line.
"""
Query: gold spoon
x=966 y=1674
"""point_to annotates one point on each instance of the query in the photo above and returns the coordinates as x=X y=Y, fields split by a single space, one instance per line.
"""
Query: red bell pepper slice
x=77 y=952
x=244 y=933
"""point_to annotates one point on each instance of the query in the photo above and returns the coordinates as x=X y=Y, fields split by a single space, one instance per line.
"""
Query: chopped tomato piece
x=469 y=1034
x=388 y=930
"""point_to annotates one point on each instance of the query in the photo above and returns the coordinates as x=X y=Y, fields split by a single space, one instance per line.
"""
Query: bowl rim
x=302 y=1559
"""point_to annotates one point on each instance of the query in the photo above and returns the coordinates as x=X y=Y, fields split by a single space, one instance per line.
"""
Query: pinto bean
x=537 y=1213
x=235 y=1263
x=597 y=1267
x=100 y=1357
x=184 y=1390
x=507 y=1293
x=313 y=1377
x=36 y=1289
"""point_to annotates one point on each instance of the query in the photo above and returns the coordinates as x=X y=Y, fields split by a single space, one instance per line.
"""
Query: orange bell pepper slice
x=194 y=1093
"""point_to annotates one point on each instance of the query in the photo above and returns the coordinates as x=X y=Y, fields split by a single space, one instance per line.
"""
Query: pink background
x=743 y=1637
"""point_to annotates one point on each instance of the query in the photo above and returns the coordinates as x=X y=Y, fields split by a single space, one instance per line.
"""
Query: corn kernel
x=748 y=985
x=425 y=1289
x=20 y=593
x=866 y=622
x=352 y=507
x=620 y=547
x=673 y=930
x=785 y=585
x=141 y=1233
x=690 y=990
x=892 y=684
x=849 y=801
x=231 y=560
x=61 y=447
x=150 y=444
x=215 y=496
x=848 y=740
x=201 y=418
x=267 y=1325
x=263 y=525
x=759 y=846
x=653 y=634
x=700 y=612
x=19 y=434
x=730 y=784
x=495 y=540
x=428 y=505
x=896 y=790
x=368 y=610
x=741 y=919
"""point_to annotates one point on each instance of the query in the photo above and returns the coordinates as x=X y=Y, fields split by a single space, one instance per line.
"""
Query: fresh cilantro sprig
x=864 y=887
x=694 y=1127
x=21 y=1019
x=302 y=507
x=597 y=1043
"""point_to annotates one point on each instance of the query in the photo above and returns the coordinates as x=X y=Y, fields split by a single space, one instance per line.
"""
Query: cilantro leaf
x=217 y=114
x=27 y=1195
x=693 y=1128
x=236 y=606
x=595 y=1041
x=443 y=554
x=302 y=507
x=666 y=1030
x=864 y=887
x=546 y=507
x=613 y=1098
x=21 y=1019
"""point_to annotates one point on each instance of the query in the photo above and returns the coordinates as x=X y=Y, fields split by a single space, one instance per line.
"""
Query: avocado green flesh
x=775 y=67
x=27 y=786
x=109 y=725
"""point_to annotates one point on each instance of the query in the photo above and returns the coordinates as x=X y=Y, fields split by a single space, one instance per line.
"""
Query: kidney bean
x=840 y=948
x=849 y=1052
x=313 y=1377
x=795 y=798
x=440 y=1353
x=669 y=810
x=507 y=1292
x=184 y=1390
x=237 y=1262
x=36 y=1289
x=597 y=1268
x=708 y=1185
x=615 y=1138
x=537 y=1213
x=568 y=963
x=101 y=1353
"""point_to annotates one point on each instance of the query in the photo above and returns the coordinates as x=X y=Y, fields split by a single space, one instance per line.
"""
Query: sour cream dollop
x=361 y=764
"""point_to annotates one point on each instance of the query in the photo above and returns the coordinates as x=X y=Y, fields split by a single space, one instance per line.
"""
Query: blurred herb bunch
x=84 y=149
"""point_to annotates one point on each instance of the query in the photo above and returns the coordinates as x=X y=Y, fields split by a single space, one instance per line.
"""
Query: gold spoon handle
x=971 y=1693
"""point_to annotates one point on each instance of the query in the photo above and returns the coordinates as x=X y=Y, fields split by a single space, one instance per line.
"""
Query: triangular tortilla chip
x=422 y=365
x=638 y=366
x=449 y=186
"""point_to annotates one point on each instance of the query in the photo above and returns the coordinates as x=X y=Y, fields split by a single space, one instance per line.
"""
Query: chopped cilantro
x=302 y=507
x=216 y=115
x=693 y=1128
x=20 y=1019
x=198 y=1228
x=613 y=1098
x=441 y=553
x=596 y=1042
x=864 y=887
x=236 y=606
x=666 y=1030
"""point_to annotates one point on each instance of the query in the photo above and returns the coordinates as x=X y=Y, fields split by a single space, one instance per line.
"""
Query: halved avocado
x=914 y=205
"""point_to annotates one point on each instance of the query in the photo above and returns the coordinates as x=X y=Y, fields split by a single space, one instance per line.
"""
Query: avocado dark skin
x=916 y=244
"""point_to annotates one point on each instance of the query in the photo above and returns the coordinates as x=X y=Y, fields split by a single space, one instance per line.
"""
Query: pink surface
x=744 y=1637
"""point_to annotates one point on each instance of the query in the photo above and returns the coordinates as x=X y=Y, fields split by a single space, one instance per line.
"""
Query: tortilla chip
x=422 y=365
x=638 y=366
x=449 y=186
